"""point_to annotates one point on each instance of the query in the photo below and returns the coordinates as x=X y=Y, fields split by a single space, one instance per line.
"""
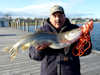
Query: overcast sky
x=41 y=8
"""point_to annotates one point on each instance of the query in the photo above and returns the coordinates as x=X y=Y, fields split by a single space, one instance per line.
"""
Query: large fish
x=57 y=41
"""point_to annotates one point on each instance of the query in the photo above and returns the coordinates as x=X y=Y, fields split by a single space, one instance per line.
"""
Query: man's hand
x=42 y=46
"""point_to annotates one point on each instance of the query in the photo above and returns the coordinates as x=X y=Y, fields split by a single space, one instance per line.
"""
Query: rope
x=84 y=42
x=79 y=49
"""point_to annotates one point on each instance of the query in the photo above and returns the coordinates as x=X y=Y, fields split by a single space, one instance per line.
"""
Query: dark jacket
x=56 y=61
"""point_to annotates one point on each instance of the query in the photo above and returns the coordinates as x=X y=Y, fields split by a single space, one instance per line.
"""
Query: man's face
x=57 y=19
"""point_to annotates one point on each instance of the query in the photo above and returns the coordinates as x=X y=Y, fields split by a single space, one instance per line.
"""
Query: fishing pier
x=23 y=65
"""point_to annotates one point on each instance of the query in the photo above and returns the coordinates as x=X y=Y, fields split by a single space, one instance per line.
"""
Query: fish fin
x=25 y=46
x=13 y=52
x=13 y=56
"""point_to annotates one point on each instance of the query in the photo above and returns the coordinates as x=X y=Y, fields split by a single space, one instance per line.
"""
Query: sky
x=41 y=8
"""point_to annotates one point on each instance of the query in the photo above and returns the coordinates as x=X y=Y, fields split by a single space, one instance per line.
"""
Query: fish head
x=88 y=27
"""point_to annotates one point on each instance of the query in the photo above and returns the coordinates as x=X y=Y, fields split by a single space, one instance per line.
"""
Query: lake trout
x=56 y=41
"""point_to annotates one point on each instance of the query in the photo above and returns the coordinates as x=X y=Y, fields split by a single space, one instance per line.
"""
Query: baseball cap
x=56 y=8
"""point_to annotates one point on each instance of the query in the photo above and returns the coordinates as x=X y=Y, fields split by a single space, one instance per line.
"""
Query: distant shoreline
x=96 y=22
x=83 y=22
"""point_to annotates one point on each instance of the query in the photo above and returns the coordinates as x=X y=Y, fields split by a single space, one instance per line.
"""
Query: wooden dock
x=22 y=65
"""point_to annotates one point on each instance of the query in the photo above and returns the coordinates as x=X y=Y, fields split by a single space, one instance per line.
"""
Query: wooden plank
x=22 y=65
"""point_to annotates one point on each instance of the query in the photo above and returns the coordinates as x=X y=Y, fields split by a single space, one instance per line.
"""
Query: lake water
x=95 y=35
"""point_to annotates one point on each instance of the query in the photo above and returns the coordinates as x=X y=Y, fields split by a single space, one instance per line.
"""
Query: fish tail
x=13 y=56
x=13 y=52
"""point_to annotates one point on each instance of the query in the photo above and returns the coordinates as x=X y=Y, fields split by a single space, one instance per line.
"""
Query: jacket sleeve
x=36 y=54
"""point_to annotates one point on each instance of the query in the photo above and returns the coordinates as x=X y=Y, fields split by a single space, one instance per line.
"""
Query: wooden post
x=42 y=22
x=14 y=25
x=17 y=24
x=36 y=24
x=24 y=26
x=27 y=27
x=11 y=23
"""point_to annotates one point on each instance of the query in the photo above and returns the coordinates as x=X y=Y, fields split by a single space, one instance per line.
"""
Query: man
x=57 y=61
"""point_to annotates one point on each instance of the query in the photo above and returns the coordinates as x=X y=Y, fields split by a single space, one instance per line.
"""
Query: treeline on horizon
x=40 y=21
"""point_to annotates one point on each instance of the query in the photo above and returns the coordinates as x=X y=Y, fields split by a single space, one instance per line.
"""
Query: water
x=31 y=28
x=95 y=35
